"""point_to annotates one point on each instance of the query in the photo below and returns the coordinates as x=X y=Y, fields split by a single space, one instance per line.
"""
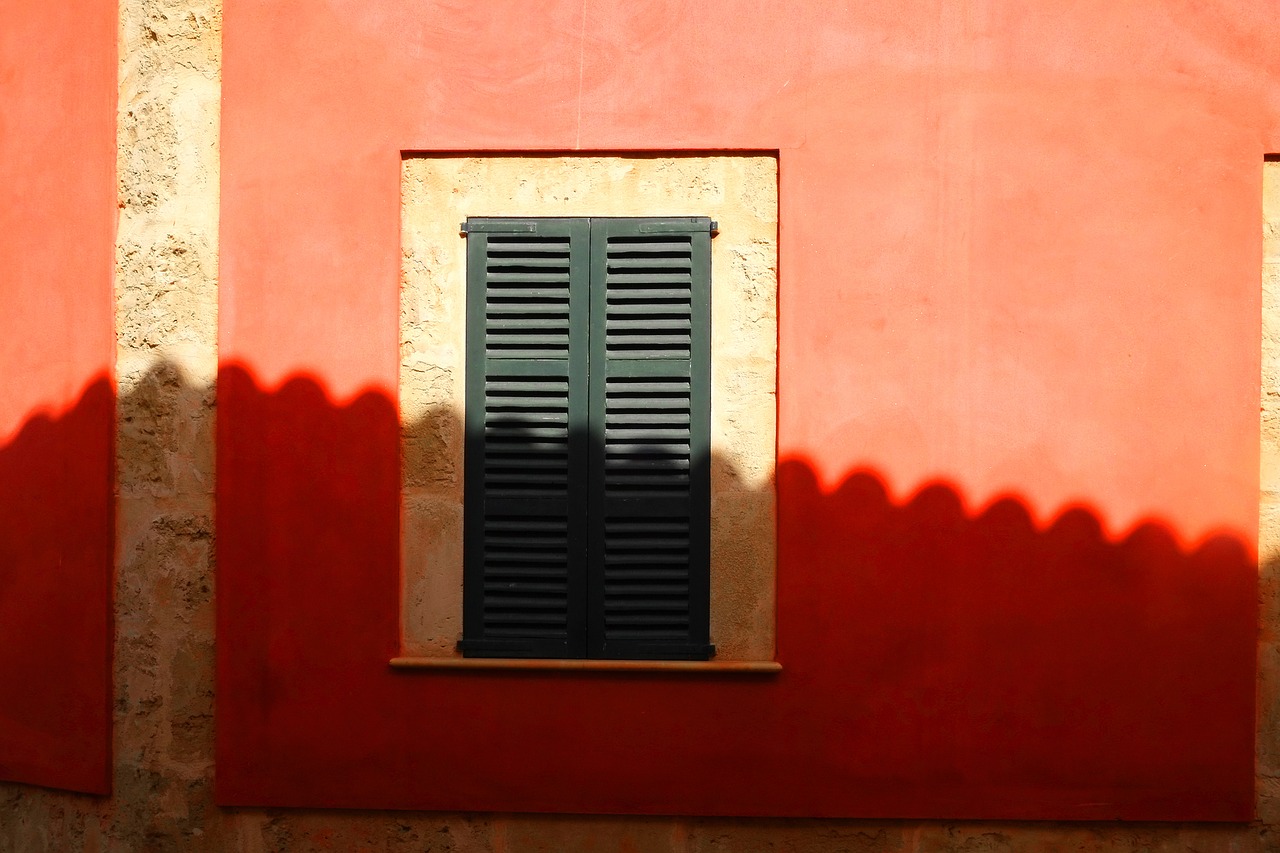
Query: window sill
x=755 y=667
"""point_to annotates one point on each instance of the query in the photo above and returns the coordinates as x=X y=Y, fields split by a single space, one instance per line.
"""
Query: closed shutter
x=525 y=525
x=650 y=383
x=587 y=508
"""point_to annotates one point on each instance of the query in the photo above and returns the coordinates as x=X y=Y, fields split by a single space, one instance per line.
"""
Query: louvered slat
x=648 y=281
x=524 y=573
x=527 y=284
x=650 y=389
x=526 y=439
x=518 y=602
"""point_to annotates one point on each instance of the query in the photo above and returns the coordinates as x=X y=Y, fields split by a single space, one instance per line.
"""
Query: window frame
x=441 y=189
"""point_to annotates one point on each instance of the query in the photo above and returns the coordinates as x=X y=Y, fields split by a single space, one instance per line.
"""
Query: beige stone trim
x=737 y=190
x=1269 y=505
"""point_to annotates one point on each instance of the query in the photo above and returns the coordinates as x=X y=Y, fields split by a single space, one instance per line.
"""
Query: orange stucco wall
x=968 y=638
x=1017 y=409
x=57 y=230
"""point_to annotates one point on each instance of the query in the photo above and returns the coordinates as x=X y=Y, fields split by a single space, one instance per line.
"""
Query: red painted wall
x=57 y=416
x=1018 y=391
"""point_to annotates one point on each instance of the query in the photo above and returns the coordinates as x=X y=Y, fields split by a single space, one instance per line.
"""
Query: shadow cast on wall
x=56 y=549
x=935 y=664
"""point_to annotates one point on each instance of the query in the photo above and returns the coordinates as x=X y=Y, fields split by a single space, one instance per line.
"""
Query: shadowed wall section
x=935 y=662
x=1004 y=661
x=57 y=217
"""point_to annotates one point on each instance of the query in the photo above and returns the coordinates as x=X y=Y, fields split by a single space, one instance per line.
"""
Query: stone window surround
x=739 y=191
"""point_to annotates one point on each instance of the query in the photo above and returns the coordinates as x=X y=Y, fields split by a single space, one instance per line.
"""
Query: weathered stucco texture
x=162 y=798
x=739 y=192
x=1269 y=514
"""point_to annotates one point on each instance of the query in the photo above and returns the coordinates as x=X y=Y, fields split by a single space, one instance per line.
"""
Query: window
x=587 y=458
x=440 y=190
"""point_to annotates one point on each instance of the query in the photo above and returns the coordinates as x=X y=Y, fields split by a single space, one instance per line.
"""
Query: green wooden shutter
x=650 y=378
x=524 y=585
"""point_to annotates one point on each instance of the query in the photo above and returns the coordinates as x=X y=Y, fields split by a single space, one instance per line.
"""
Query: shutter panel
x=649 y=540
x=524 y=585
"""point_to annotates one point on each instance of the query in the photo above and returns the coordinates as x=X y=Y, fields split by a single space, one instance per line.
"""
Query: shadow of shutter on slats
x=525 y=511
x=649 y=539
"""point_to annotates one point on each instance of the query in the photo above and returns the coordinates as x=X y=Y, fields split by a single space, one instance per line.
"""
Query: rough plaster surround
x=740 y=192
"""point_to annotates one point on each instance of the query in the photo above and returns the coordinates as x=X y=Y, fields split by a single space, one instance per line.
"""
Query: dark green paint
x=649 y=504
